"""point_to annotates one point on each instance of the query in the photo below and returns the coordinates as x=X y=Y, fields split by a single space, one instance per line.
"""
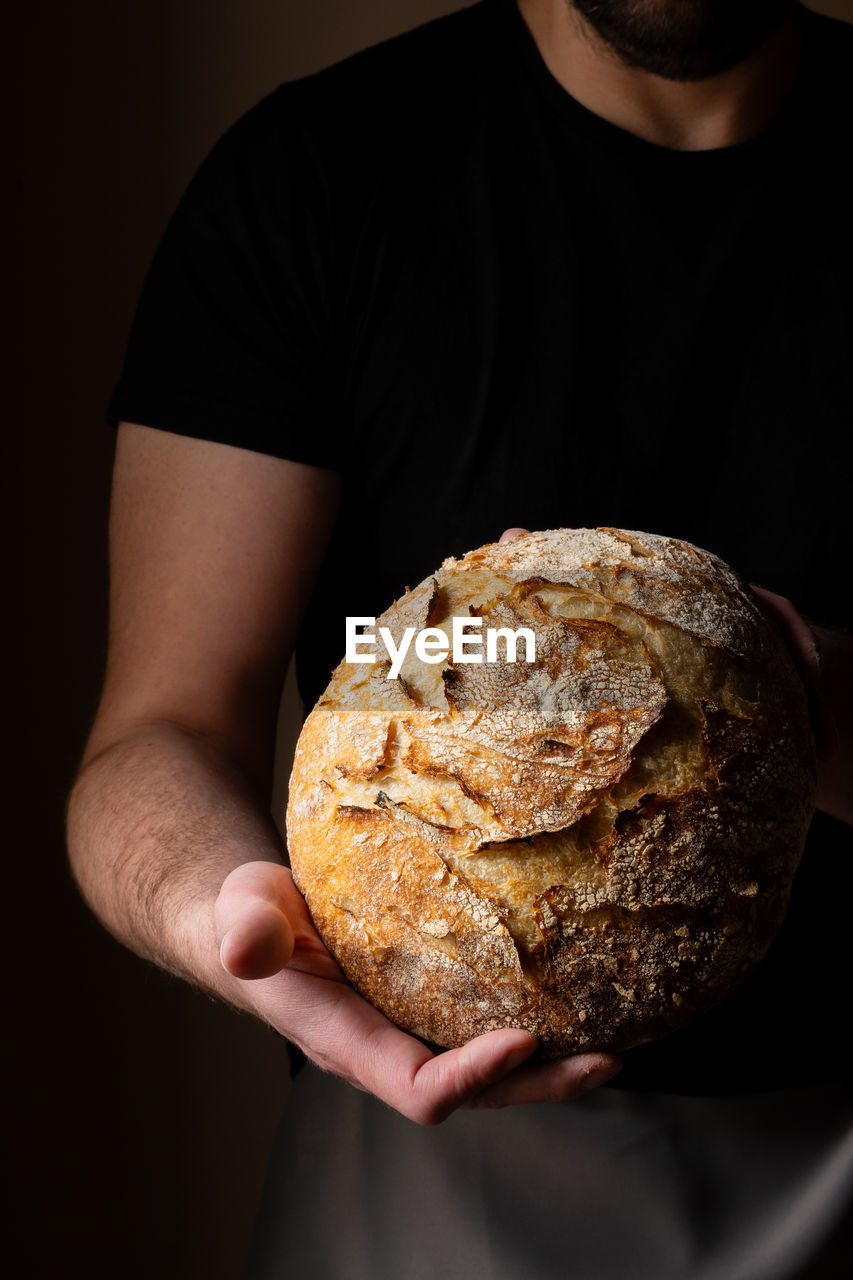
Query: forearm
x=155 y=822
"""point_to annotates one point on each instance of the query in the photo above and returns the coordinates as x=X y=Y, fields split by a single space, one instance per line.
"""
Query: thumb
x=514 y=532
x=801 y=639
x=255 y=936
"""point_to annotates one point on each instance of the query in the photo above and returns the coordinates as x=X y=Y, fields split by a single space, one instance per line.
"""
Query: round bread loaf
x=596 y=845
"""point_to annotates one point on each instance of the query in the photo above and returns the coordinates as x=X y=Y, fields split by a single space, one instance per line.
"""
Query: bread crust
x=597 y=846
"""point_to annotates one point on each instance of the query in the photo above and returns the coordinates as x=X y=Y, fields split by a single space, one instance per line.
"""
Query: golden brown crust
x=596 y=846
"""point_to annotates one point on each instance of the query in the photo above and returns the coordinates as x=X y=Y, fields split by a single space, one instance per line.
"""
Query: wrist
x=156 y=821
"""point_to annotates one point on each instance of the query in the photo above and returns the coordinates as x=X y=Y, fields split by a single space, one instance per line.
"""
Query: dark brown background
x=146 y=1112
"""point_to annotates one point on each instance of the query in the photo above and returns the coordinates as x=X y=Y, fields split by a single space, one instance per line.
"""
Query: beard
x=683 y=39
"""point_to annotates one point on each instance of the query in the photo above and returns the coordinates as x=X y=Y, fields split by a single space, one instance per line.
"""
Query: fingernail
x=222 y=952
x=599 y=1076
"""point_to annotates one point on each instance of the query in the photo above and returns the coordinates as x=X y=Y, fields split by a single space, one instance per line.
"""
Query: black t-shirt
x=432 y=269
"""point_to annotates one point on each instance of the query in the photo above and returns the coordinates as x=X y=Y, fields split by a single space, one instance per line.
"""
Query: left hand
x=824 y=659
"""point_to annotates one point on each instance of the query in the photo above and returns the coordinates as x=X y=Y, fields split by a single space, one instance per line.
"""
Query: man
x=554 y=264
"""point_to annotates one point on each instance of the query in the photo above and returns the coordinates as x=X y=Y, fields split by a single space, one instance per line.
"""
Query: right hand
x=268 y=942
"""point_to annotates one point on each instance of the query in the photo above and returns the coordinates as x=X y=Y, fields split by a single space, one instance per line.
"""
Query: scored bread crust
x=596 y=846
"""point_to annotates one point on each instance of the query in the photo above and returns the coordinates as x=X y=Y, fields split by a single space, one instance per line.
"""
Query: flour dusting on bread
x=597 y=845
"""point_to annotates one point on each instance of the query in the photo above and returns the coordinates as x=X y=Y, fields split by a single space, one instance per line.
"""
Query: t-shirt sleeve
x=234 y=336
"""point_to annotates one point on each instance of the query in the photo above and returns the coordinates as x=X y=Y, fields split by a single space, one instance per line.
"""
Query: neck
x=694 y=115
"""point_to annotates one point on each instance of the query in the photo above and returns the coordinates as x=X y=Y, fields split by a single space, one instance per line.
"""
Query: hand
x=268 y=943
x=824 y=659
x=801 y=640
x=804 y=646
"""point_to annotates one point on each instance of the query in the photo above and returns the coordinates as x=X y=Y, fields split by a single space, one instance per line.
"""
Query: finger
x=802 y=641
x=804 y=645
x=425 y=1086
x=256 y=939
x=451 y=1079
x=509 y=534
x=558 y=1081
x=257 y=905
x=344 y=1034
x=259 y=945
x=310 y=952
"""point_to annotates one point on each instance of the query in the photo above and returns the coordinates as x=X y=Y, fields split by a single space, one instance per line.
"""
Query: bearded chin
x=683 y=39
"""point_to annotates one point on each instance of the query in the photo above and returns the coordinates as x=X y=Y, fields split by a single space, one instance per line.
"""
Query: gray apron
x=617 y=1186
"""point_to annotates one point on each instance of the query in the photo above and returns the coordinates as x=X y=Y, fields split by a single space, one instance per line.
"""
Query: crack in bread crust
x=596 y=846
